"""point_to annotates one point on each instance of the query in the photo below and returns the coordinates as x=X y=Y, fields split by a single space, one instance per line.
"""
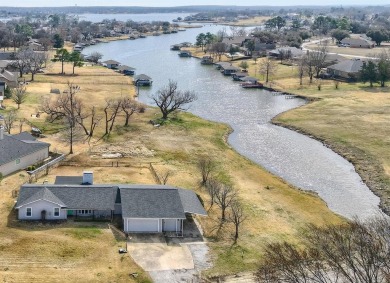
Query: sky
x=169 y=3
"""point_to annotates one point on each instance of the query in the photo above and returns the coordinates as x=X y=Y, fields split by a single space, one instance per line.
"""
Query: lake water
x=300 y=160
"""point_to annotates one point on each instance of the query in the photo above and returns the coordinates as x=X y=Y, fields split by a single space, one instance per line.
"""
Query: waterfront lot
x=276 y=211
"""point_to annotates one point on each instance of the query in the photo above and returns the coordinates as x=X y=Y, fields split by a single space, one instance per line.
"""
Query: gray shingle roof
x=348 y=66
x=42 y=193
x=191 y=203
x=14 y=147
x=68 y=180
x=111 y=62
x=142 y=77
x=73 y=197
x=151 y=203
x=125 y=68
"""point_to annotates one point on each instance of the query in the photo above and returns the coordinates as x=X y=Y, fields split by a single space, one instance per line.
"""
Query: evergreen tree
x=369 y=73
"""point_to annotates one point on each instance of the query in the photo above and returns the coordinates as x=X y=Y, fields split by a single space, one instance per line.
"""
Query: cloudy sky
x=166 y=3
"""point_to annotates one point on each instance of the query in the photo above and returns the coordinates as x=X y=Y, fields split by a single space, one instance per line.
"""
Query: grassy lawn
x=275 y=209
x=352 y=119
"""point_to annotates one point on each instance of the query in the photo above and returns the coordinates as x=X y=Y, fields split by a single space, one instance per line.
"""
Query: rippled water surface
x=296 y=158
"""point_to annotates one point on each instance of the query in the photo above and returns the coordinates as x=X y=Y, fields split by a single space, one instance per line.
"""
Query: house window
x=28 y=212
x=84 y=211
x=56 y=212
x=17 y=161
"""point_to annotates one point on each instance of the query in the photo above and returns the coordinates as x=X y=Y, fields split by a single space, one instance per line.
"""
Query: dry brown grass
x=275 y=209
x=255 y=21
x=71 y=252
x=364 y=52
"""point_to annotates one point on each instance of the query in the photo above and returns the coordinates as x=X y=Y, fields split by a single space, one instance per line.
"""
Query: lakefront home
x=143 y=208
x=20 y=151
x=347 y=69
x=111 y=64
x=358 y=42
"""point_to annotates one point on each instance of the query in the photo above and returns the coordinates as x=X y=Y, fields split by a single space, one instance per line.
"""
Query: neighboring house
x=111 y=64
x=3 y=87
x=348 y=69
x=35 y=46
x=143 y=208
x=8 y=65
x=10 y=78
x=238 y=41
x=291 y=52
x=20 y=151
x=357 y=42
x=7 y=55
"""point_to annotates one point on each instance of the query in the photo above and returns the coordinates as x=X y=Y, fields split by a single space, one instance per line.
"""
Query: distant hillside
x=140 y=10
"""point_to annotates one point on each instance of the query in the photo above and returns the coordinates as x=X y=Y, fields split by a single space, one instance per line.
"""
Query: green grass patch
x=84 y=232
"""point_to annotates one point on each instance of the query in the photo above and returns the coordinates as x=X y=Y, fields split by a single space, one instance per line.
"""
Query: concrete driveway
x=153 y=253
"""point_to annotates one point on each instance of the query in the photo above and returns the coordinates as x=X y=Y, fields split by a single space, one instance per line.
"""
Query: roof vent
x=87 y=178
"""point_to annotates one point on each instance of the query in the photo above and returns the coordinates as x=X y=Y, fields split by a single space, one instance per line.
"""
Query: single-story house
x=291 y=52
x=357 y=42
x=143 y=208
x=3 y=87
x=111 y=64
x=20 y=151
x=35 y=46
x=347 y=69
x=10 y=78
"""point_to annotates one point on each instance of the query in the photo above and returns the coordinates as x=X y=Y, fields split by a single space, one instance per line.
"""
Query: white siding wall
x=146 y=225
x=37 y=208
x=132 y=225
x=25 y=161
x=171 y=225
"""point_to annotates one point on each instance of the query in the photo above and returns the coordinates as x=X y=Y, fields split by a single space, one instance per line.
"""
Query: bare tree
x=206 y=166
x=267 y=68
x=129 y=107
x=94 y=120
x=65 y=107
x=22 y=60
x=170 y=99
x=95 y=57
x=212 y=188
x=164 y=176
x=237 y=217
x=224 y=198
x=301 y=71
x=111 y=110
x=315 y=61
x=356 y=252
x=218 y=48
x=9 y=121
x=19 y=95
x=36 y=63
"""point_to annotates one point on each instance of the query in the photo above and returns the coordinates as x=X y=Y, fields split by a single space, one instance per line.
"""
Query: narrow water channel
x=299 y=160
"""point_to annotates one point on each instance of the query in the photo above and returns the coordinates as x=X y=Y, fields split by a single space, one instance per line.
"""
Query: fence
x=155 y=175
x=45 y=168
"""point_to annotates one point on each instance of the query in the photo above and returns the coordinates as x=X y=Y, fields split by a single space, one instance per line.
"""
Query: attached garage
x=171 y=225
x=142 y=225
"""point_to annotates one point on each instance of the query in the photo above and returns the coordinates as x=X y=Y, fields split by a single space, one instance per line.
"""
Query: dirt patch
x=125 y=149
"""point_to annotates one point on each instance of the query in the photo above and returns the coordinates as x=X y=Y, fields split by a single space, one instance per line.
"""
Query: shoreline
x=363 y=163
